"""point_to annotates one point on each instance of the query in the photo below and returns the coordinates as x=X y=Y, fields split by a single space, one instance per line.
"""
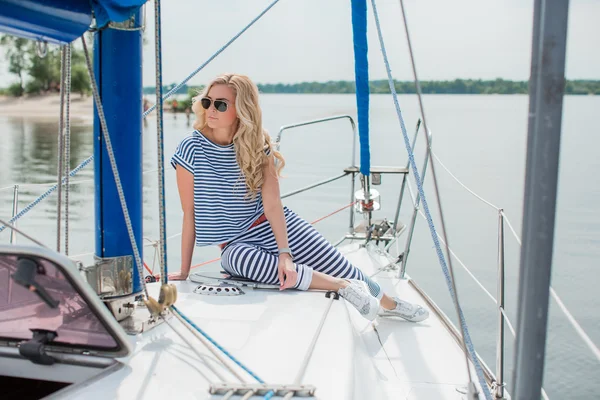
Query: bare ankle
x=387 y=302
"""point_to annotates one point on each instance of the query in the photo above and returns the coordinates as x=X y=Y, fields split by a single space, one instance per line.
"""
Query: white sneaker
x=408 y=311
x=358 y=295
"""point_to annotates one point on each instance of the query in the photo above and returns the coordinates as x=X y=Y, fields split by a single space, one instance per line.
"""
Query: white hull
x=270 y=332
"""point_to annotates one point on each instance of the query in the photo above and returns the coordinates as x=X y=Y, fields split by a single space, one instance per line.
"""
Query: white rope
x=544 y=395
x=206 y=343
x=195 y=350
x=580 y=331
x=510 y=327
x=20 y=232
x=410 y=191
x=83 y=254
x=174 y=236
x=46 y=184
x=181 y=354
x=155 y=243
x=511 y=228
x=71 y=183
x=462 y=184
x=503 y=311
x=151 y=244
x=584 y=336
x=466 y=269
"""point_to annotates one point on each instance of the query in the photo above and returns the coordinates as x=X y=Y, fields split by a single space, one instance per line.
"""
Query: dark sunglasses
x=220 y=105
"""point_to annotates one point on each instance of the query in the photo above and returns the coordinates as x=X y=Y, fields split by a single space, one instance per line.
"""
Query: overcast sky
x=311 y=40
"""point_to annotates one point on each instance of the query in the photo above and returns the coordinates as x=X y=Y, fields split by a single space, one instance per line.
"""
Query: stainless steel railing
x=496 y=380
x=352 y=160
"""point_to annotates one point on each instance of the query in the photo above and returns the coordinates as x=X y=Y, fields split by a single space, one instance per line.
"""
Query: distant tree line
x=184 y=89
x=457 y=86
x=36 y=75
x=41 y=74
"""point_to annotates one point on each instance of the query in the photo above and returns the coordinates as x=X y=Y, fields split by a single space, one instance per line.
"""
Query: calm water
x=480 y=138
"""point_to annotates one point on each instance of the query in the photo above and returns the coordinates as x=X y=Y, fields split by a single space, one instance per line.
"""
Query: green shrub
x=34 y=87
x=15 y=89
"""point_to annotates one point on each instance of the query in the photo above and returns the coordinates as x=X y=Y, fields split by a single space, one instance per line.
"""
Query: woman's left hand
x=177 y=276
x=287 y=272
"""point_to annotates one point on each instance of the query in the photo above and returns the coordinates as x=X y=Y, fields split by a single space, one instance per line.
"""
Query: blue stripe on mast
x=361 y=71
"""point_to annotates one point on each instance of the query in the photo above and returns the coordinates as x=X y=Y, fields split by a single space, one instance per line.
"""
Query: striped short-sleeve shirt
x=221 y=209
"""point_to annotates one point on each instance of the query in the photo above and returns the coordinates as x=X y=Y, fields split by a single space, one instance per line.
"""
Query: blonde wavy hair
x=251 y=141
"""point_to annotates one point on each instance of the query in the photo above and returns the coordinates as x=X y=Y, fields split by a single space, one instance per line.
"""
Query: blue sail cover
x=61 y=21
x=361 y=71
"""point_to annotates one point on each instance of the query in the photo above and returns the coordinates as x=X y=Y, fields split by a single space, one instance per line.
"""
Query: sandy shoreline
x=46 y=107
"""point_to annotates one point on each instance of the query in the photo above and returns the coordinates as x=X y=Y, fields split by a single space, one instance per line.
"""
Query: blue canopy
x=61 y=21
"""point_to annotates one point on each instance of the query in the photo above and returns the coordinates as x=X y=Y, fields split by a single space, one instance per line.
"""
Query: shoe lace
x=404 y=307
x=352 y=295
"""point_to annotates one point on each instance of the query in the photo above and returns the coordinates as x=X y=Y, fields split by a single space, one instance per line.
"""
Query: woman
x=229 y=190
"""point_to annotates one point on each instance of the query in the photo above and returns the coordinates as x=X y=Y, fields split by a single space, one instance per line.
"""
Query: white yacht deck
x=270 y=332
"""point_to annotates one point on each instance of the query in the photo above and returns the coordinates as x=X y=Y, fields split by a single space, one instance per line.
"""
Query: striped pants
x=254 y=255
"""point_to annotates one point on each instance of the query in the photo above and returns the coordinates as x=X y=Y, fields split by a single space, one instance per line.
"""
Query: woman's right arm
x=185 y=185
